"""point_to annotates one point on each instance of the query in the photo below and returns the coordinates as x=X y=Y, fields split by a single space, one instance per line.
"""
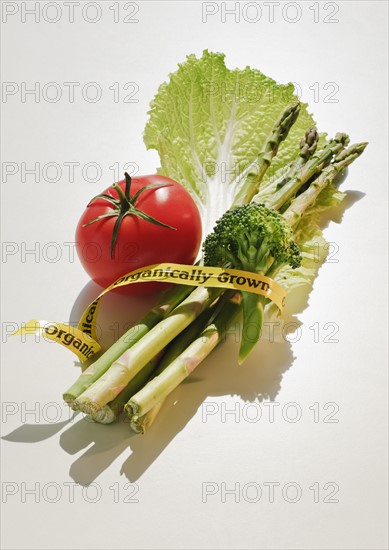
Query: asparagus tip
x=294 y=110
x=355 y=150
x=286 y=121
x=131 y=409
x=342 y=138
x=362 y=146
x=308 y=143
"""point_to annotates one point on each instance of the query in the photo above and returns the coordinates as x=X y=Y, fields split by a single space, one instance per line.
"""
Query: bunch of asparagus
x=142 y=367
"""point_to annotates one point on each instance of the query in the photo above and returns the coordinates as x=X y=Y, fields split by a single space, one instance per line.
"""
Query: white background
x=189 y=453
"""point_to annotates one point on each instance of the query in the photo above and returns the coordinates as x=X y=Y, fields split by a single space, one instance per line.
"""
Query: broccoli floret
x=254 y=238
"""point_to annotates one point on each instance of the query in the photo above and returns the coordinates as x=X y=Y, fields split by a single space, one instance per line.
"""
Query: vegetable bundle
x=260 y=174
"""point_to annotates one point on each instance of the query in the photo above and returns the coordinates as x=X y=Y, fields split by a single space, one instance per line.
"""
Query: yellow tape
x=73 y=338
x=192 y=276
x=82 y=340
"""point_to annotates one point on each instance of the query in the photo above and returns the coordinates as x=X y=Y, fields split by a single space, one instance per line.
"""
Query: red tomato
x=139 y=242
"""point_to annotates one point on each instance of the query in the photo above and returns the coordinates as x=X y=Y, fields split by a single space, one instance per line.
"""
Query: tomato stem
x=128 y=185
x=126 y=206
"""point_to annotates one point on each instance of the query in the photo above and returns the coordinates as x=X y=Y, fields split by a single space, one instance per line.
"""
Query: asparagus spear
x=159 y=388
x=116 y=378
x=270 y=148
x=310 y=168
x=300 y=204
x=111 y=411
x=154 y=392
x=141 y=424
x=166 y=304
x=308 y=145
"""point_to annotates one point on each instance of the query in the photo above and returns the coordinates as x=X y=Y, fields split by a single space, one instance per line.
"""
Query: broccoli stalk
x=253 y=238
x=249 y=237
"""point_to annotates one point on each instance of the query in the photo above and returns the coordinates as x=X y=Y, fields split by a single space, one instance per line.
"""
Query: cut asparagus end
x=112 y=410
x=69 y=400
x=136 y=425
x=87 y=406
x=132 y=410
x=141 y=424
x=106 y=415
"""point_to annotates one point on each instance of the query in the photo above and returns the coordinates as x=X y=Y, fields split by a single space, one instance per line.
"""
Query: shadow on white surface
x=31 y=433
x=258 y=379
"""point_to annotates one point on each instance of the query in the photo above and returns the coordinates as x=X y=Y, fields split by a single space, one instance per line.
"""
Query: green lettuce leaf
x=310 y=239
x=314 y=249
x=208 y=124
